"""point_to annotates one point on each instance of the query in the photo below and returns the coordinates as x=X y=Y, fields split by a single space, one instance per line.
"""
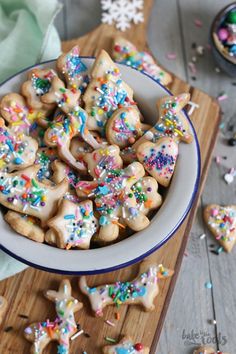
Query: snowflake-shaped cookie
x=122 y=12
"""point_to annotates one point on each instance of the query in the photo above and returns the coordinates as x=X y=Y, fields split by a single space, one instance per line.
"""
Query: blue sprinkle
x=18 y=161
x=69 y=216
x=208 y=285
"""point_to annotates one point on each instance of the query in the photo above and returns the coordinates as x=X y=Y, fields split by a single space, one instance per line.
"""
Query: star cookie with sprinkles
x=22 y=192
x=74 y=225
x=171 y=123
x=221 y=221
x=105 y=93
x=126 y=346
x=125 y=52
x=20 y=117
x=159 y=159
x=73 y=69
x=140 y=291
x=17 y=151
x=115 y=201
x=62 y=328
x=66 y=99
x=207 y=350
x=38 y=84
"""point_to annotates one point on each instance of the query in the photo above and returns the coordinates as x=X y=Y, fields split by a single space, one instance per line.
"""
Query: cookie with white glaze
x=25 y=225
x=79 y=148
x=125 y=52
x=142 y=290
x=23 y=193
x=74 y=225
x=40 y=334
x=126 y=346
x=61 y=171
x=159 y=159
x=221 y=221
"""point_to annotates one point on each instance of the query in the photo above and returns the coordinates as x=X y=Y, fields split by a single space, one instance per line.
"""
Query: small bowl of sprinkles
x=223 y=39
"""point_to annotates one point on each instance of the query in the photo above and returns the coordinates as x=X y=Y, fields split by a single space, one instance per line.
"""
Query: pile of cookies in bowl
x=79 y=166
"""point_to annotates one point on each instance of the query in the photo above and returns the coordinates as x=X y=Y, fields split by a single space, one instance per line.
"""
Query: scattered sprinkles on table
x=125 y=346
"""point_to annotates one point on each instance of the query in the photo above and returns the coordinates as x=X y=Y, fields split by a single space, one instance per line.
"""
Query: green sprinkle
x=111 y=340
x=34 y=183
x=62 y=90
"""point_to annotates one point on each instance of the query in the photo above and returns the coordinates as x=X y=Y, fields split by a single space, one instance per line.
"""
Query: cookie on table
x=3 y=307
x=38 y=84
x=17 y=151
x=40 y=334
x=25 y=225
x=221 y=221
x=126 y=346
x=207 y=350
x=159 y=159
x=74 y=225
x=142 y=290
x=105 y=93
x=115 y=201
x=73 y=69
x=23 y=193
x=125 y=52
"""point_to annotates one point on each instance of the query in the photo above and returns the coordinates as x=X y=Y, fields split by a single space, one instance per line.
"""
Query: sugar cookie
x=79 y=148
x=38 y=84
x=22 y=192
x=159 y=159
x=25 y=225
x=114 y=200
x=140 y=291
x=125 y=52
x=126 y=346
x=105 y=93
x=207 y=350
x=74 y=224
x=66 y=99
x=221 y=221
x=61 y=171
x=44 y=157
x=60 y=330
x=3 y=307
x=17 y=151
x=73 y=69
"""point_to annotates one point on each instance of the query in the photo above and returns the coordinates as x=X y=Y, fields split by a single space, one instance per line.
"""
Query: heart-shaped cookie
x=221 y=221
x=159 y=159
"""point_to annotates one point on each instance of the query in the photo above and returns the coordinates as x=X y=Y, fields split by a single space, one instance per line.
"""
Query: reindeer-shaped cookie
x=62 y=328
x=125 y=52
x=207 y=350
x=106 y=92
x=140 y=291
x=63 y=128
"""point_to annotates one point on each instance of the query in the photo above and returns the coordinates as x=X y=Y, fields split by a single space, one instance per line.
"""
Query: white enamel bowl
x=167 y=220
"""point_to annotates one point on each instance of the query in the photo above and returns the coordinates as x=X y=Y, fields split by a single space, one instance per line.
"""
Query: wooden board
x=28 y=286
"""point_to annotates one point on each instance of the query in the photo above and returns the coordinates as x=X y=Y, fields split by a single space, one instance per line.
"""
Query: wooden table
x=172 y=29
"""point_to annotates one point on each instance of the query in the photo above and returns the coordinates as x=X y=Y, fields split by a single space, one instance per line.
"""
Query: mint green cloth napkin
x=27 y=36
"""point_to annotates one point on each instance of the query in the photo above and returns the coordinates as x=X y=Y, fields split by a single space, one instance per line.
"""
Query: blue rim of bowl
x=155 y=248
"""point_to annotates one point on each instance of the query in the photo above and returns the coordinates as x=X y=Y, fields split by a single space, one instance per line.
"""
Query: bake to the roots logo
x=201 y=337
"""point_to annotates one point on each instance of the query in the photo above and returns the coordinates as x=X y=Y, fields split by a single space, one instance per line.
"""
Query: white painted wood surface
x=172 y=29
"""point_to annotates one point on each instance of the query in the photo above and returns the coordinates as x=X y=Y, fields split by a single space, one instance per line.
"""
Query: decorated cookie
x=146 y=194
x=63 y=129
x=25 y=225
x=221 y=221
x=73 y=69
x=159 y=159
x=66 y=99
x=105 y=93
x=74 y=224
x=3 y=308
x=79 y=148
x=22 y=192
x=102 y=160
x=20 y=117
x=125 y=52
x=45 y=156
x=207 y=350
x=61 y=171
x=126 y=346
x=38 y=84
x=171 y=122
x=140 y=291
x=59 y=330
x=17 y=151
x=124 y=127
x=114 y=200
